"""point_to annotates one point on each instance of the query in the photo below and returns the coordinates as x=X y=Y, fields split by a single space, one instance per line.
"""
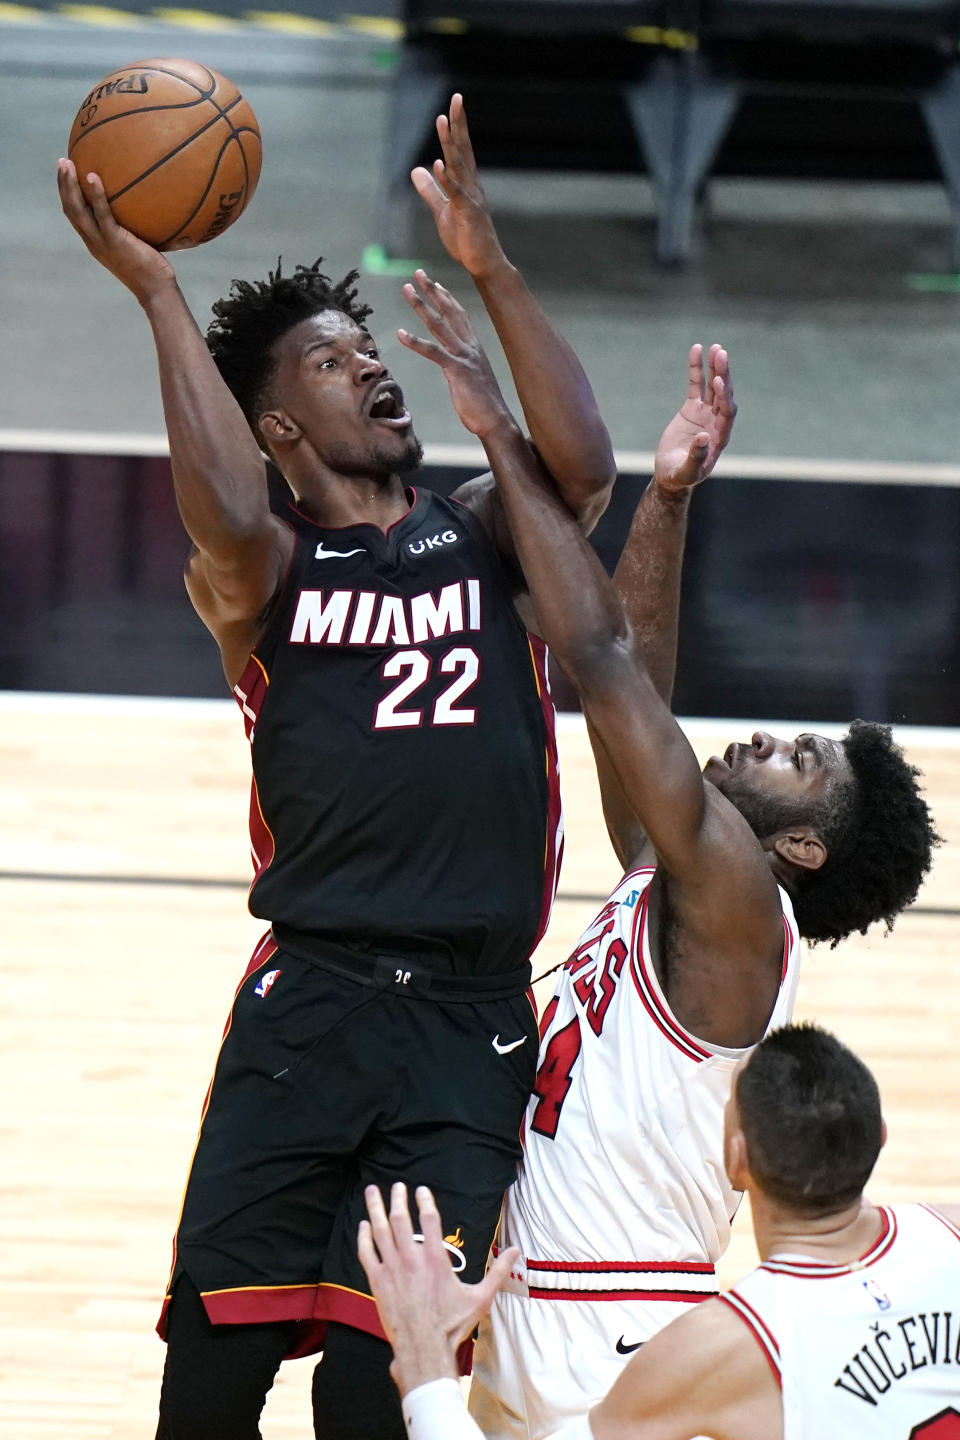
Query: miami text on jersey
x=364 y=617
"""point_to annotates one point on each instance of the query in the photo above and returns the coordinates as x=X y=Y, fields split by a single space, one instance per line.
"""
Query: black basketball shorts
x=328 y=1081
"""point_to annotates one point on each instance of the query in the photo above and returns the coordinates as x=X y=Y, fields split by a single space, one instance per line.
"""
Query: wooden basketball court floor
x=123 y=866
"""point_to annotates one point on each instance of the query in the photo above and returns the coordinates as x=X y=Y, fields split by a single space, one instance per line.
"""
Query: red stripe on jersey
x=930 y=1209
x=553 y=852
x=759 y=1331
x=314 y=1305
x=265 y=949
x=819 y=1270
x=249 y=693
x=689 y=1297
x=262 y=844
x=660 y=1016
x=410 y=493
x=626 y=1267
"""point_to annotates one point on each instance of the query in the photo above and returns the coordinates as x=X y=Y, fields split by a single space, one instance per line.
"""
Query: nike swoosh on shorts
x=505 y=1049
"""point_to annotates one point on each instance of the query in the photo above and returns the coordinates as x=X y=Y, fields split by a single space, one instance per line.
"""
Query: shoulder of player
x=479 y=496
x=703 y=1374
x=717 y=938
x=944 y=1213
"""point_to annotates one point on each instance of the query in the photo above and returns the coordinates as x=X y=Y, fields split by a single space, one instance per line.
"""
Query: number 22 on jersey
x=414 y=668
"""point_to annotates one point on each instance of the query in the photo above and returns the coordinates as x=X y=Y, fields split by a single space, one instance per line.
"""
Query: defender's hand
x=424 y=1309
x=135 y=263
x=476 y=396
x=456 y=199
x=691 y=444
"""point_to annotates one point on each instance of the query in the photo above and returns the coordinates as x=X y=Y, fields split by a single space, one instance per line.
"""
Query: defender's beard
x=766 y=814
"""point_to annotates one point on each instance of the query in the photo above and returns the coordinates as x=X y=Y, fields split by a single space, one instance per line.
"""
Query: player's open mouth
x=387 y=407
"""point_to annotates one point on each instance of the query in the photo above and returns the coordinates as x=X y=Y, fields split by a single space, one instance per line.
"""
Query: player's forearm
x=648 y=578
x=582 y=620
x=580 y=614
x=218 y=471
x=557 y=399
x=648 y=582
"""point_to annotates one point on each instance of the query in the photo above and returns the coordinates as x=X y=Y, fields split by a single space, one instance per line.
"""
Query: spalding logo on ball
x=176 y=146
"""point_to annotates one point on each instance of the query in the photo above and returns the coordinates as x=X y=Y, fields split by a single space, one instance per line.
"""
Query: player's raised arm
x=558 y=402
x=715 y=867
x=649 y=570
x=218 y=471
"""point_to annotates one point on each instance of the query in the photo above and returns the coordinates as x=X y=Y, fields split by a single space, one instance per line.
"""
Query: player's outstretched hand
x=424 y=1309
x=456 y=199
x=476 y=395
x=135 y=263
x=691 y=444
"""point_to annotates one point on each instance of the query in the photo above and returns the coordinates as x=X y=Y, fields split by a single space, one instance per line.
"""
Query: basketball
x=176 y=146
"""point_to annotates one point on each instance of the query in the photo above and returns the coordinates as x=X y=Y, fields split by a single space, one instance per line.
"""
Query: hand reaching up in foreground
x=425 y=1310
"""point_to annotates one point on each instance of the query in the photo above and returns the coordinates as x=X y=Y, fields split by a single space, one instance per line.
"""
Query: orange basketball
x=176 y=146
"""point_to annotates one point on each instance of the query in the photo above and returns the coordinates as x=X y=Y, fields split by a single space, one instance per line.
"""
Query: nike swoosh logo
x=321 y=554
x=505 y=1049
x=626 y=1349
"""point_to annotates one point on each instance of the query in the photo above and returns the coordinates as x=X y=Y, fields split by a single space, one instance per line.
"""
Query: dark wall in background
x=802 y=599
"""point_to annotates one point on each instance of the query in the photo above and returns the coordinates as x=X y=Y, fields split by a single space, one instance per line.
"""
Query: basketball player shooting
x=622 y=1205
x=849 y=1327
x=404 y=774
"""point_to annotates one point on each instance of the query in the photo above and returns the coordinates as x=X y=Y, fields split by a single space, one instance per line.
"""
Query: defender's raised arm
x=648 y=574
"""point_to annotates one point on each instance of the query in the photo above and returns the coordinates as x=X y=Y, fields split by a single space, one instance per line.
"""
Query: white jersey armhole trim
x=938 y=1215
x=758 y=1329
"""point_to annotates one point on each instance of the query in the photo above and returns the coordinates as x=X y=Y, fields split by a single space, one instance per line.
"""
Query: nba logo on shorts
x=265 y=982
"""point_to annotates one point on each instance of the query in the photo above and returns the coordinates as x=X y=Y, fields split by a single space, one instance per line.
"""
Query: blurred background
x=782 y=177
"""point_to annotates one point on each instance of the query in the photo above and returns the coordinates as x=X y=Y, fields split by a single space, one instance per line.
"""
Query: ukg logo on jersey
x=432 y=542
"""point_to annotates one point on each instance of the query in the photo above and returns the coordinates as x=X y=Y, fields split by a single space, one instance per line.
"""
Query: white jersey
x=622 y=1203
x=869 y=1351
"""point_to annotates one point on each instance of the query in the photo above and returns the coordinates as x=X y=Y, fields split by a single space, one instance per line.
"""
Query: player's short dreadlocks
x=252 y=318
x=879 y=836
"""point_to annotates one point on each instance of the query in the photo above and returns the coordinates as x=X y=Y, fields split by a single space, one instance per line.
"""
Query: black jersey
x=405 y=797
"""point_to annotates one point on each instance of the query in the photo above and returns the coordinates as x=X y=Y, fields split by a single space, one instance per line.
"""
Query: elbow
x=596 y=662
x=585 y=483
x=593 y=500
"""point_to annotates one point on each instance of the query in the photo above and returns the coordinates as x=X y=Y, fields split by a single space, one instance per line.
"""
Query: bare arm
x=719 y=879
x=558 y=403
x=240 y=549
x=950 y=1212
x=649 y=571
x=702 y=1375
